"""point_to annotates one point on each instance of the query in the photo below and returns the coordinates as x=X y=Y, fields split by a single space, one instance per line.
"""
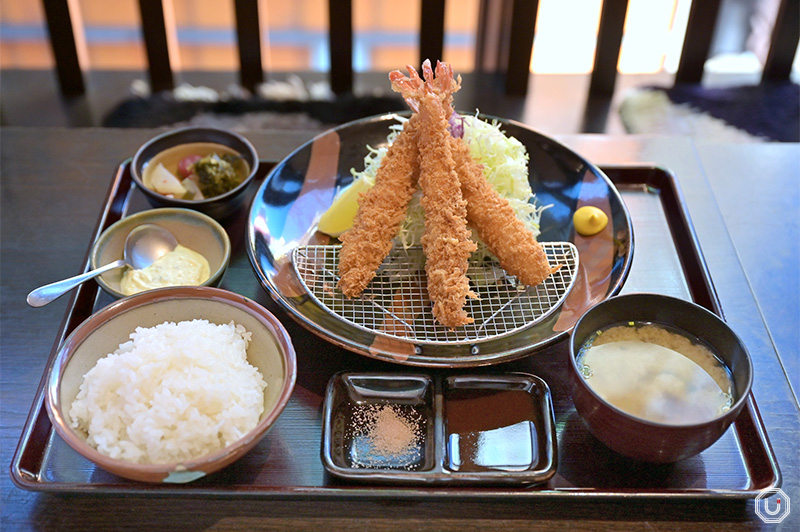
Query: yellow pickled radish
x=340 y=215
x=589 y=220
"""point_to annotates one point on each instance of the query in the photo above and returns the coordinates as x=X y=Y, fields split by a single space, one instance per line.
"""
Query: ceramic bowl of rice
x=172 y=384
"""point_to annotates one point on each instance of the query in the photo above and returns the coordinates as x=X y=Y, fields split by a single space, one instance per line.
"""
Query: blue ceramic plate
x=287 y=206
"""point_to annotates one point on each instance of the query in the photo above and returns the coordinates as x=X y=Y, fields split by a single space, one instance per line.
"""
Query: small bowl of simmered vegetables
x=199 y=168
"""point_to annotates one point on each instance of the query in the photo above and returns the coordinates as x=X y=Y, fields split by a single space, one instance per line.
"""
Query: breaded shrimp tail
x=381 y=211
x=440 y=83
x=498 y=226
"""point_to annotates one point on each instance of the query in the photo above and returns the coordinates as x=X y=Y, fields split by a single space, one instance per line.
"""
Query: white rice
x=174 y=392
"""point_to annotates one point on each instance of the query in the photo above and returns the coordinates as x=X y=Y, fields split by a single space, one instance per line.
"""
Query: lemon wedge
x=340 y=215
x=589 y=220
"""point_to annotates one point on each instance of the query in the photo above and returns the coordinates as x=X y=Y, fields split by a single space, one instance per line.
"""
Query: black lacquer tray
x=287 y=464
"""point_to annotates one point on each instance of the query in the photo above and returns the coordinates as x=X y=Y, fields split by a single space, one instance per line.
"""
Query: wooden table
x=743 y=201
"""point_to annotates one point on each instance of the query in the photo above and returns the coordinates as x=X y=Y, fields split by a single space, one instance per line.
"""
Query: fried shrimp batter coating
x=446 y=241
x=381 y=211
x=498 y=226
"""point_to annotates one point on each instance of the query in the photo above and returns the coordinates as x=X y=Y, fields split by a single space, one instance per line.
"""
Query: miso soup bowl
x=633 y=436
x=218 y=207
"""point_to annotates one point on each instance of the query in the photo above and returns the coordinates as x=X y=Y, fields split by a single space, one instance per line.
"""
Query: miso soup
x=656 y=373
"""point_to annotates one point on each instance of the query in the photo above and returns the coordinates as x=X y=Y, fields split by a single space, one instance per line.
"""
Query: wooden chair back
x=504 y=42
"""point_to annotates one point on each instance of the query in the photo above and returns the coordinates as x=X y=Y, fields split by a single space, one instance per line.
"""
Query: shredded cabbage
x=372 y=161
x=505 y=164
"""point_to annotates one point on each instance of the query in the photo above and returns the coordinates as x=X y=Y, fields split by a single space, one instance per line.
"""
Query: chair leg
x=783 y=43
x=68 y=44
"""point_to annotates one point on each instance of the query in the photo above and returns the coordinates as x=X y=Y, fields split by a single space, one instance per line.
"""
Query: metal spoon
x=143 y=246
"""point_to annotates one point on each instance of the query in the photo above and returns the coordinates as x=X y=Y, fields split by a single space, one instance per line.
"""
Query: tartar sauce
x=180 y=267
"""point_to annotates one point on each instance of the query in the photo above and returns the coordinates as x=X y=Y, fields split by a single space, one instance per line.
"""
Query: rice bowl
x=171 y=393
x=270 y=352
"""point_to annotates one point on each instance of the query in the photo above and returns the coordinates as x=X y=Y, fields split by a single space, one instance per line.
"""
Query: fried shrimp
x=446 y=240
x=381 y=211
x=455 y=196
x=498 y=226
x=495 y=221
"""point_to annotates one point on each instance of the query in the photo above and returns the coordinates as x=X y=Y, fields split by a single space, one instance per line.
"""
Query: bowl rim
x=731 y=413
x=183 y=130
x=89 y=326
x=143 y=217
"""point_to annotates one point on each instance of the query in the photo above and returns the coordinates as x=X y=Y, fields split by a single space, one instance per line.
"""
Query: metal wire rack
x=396 y=303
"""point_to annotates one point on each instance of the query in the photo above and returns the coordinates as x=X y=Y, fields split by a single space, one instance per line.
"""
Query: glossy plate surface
x=287 y=206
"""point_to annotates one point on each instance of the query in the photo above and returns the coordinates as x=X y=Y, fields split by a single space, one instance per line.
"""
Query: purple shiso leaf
x=457 y=125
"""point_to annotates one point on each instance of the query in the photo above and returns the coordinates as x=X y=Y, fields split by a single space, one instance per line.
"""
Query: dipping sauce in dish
x=656 y=373
x=180 y=267
x=195 y=171
x=491 y=430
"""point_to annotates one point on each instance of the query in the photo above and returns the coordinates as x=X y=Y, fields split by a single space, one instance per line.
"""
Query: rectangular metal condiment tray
x=457 y=429
x=287 y=463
